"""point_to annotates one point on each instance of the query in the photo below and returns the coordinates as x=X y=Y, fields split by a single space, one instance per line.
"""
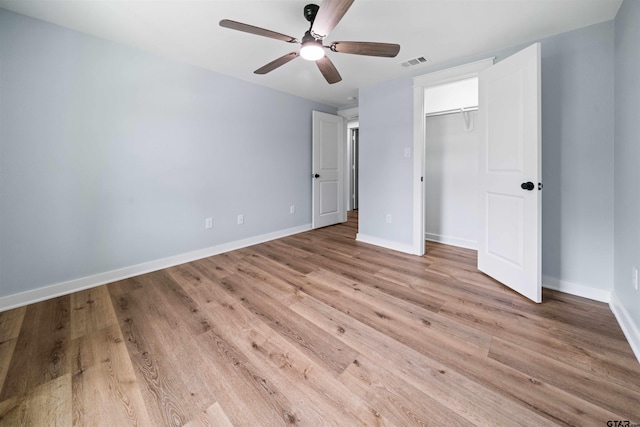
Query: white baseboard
x=627 y=325
x=400 y=247
x=35 y=295
x=453 y=241
x=576 y=289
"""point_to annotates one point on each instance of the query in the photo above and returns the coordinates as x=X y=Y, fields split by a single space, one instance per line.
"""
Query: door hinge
x=422 y=179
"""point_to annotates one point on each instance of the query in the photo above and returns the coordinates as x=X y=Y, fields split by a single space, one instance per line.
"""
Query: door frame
x=420 y=83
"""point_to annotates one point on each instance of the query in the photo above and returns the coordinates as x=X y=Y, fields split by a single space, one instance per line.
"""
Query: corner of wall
x=630 y=330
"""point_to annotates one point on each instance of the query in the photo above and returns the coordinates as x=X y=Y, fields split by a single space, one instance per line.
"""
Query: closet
x=451 y=163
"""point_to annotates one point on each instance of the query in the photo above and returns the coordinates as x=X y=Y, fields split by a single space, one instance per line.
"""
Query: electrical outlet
x=208 y=223
x=388 y=218
x=292 y=209
x=240 y=219
x=634 y=277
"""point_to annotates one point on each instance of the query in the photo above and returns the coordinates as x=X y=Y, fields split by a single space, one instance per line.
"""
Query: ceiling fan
x=322 y=20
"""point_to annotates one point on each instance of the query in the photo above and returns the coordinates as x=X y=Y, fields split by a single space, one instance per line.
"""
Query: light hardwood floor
x=315 y=329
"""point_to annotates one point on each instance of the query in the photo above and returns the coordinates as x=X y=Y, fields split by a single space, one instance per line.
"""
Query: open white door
x=509 y=172
x=328 y=165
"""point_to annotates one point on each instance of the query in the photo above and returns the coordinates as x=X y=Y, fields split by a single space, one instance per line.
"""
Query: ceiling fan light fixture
x=312 y=50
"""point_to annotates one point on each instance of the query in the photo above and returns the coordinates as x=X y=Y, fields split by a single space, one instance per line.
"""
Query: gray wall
x=627 y=157
x=577 y=156
x=111 y=157
x=384 y=182
x=577 y=162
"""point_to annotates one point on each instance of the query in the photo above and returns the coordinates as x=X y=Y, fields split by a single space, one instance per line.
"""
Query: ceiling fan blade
x=239 y=26
x=330 y=13
x=276 y=63
x=328 y=70
x=388 y=50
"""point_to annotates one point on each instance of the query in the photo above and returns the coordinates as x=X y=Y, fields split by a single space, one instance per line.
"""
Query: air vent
x=414 y=61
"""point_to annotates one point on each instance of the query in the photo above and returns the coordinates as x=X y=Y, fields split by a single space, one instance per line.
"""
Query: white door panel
x=329 y=197
x=328 y=175
x=505 y=223
x=509 y=111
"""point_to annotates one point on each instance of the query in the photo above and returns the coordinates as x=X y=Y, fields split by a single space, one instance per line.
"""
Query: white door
x=509 y=173
x=327 y=173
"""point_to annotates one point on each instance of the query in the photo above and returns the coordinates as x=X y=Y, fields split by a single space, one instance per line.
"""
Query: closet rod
x=455 y=110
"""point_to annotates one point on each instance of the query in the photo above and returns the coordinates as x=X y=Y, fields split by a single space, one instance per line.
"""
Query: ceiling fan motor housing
x=310 y=12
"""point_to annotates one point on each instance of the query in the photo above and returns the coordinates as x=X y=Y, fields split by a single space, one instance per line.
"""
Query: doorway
x=421 y=83
x=352 y=160
x=451 y=163
x=328 y=134
x=509 y=207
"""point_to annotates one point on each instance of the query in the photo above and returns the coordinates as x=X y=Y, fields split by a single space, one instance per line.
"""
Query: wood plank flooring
x=316 y=329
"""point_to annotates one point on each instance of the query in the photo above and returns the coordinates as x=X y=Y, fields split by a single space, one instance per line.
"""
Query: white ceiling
x=440 y=30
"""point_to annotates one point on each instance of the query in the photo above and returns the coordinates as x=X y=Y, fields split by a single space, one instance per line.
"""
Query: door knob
x=316 y=176
x=527 y=186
